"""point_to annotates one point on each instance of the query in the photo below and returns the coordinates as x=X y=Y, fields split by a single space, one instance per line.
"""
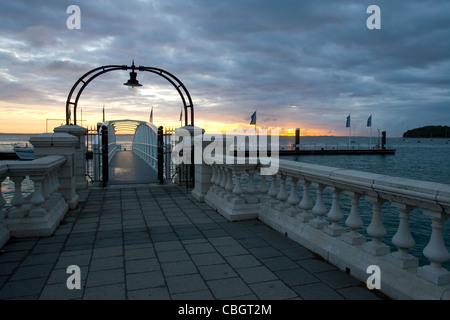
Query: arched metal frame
x=94 y=73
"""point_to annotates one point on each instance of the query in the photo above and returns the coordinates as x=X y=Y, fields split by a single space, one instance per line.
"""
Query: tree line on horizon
x=428 y=132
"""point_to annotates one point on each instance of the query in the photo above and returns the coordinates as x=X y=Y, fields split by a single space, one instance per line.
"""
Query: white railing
x=145 y=143
x=38 y=213
x=339 y=214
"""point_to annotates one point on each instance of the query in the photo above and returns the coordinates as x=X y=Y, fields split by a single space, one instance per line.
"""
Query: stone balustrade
x=320 y=207
x=39 y=213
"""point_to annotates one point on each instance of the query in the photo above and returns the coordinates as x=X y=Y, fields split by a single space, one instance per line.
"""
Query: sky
x=305 y=64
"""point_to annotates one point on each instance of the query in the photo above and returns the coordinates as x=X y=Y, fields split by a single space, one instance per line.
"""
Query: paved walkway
x=127 y=167
x=157 y=242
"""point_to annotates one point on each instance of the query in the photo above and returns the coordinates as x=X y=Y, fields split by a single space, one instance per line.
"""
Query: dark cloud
x=309 y=62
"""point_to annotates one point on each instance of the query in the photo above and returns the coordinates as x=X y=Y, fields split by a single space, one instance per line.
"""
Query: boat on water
x=24 y=152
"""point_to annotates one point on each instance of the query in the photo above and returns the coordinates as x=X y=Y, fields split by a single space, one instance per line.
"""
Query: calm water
x=421 y=159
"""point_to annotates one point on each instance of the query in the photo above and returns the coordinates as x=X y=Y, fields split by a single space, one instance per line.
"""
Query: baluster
x=354 y=221
x=229 y=184
x=251 y=186
x=224 y=181
x=213 y=176
x=319 y=209
x=2 y=200
x=376 y=229
x=18 y=198
x=263 y=188
x=403 y=239
x=306 y=203
x=218 y=178
x=293 y=199
x=436 y=251
x=335 y=215
x=237 y=190
x=273 y=190
x=282 y=194
x=37 y=199
x=45 y=187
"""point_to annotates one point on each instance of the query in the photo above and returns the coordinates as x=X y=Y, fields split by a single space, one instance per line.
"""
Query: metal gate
x=182 y=174
x=97 y=154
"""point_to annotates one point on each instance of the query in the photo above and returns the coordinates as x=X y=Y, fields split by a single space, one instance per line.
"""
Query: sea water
x=420 y=159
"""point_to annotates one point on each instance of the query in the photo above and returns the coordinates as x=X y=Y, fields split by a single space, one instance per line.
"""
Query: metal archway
x=81 y=84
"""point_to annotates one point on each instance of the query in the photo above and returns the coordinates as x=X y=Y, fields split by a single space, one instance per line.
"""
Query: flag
x=181 y=115
x=253 y=120
x=347 y=124
x=151 y=115
x=369 y=121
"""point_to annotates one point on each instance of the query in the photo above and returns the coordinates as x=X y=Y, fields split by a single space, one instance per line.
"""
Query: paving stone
x=196 y=295
x=139 y=253
x=157 y=293
x=106 y=252
x=243 y=261
x=273 y=290
x=40 y=258
x=217 y=271
x=105 y=277
x=231 y=250
x=279 y=263
x=168 y=245
x=145 y=280
x=229 y=288
x=317 y=291
x=172 y=256
x=60 y=292
x=185 y=283
x=316 y=265
x=195 y=248
x=142 y=265
x=265 y=252
x=360 y=293
x=295 y=277
x=115 y=291
x=337 y=279
x=31 y=272
x=256 y=274
x=178 y=268
x=23 y=288
x=106 y=263
x=205 y=259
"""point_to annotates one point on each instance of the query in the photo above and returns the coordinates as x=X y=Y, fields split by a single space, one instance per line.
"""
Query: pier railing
x=321 y=208
x=145 y=143
x=39 y=212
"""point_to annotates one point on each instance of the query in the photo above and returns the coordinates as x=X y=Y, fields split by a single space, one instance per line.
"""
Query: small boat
x=24 y=152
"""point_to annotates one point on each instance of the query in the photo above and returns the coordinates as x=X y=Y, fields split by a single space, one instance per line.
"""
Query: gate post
x=105 y=165
x=160 y=155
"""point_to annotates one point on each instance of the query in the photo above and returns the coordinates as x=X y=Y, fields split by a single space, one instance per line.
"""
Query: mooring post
x=297 y=139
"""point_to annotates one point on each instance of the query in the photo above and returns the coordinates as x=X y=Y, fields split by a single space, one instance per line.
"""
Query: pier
x=238 y=234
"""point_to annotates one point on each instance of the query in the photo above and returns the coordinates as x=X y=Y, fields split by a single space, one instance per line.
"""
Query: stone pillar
x=202 y=172
x=60 y=144
x=80 y=152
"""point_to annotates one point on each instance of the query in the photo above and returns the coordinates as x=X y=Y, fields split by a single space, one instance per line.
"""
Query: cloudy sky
x=299 y=63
